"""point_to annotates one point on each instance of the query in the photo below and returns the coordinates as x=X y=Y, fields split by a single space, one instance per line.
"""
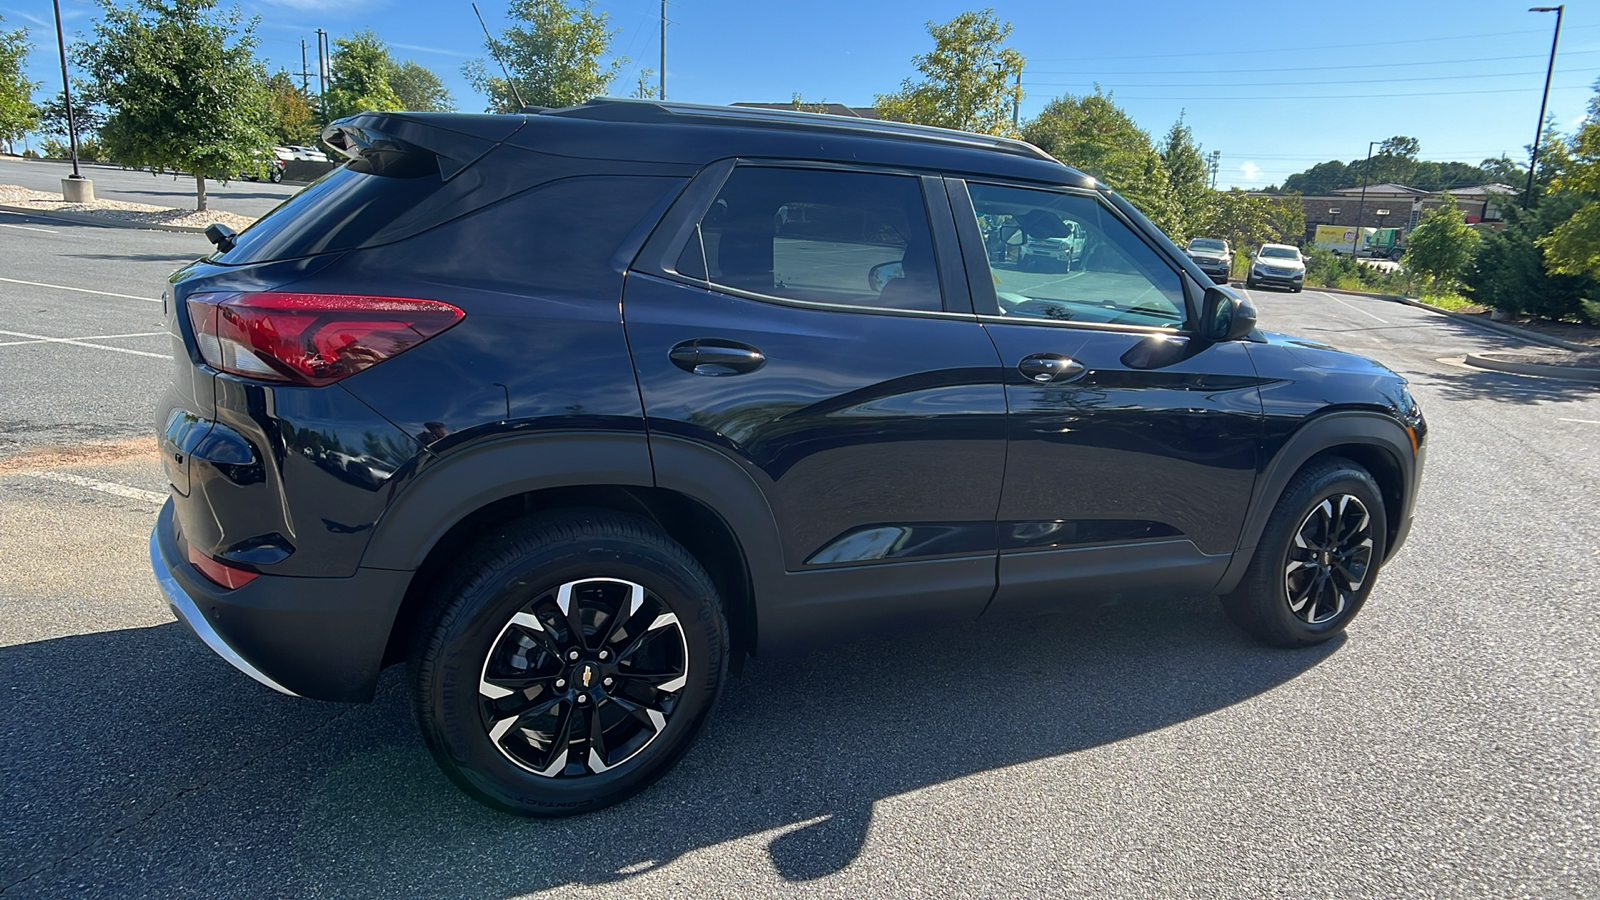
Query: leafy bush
x=1510 y=271
x=1325 y=268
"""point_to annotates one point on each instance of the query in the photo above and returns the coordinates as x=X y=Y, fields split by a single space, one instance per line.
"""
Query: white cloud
x=1252 y=172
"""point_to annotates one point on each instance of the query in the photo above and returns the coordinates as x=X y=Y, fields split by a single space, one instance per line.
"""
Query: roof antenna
x=509 y=83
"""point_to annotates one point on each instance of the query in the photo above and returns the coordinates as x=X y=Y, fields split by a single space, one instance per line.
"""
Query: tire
x=1282 y=571
x=277 y=175
x=1249 y=284
x=502 y=628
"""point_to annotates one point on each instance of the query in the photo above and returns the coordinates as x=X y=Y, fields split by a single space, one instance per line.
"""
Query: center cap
x=587 y=675
x=1327 y=558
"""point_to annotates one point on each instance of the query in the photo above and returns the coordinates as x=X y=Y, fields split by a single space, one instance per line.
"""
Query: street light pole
x=74 y=188
x=1538 y=131
x=66 y=92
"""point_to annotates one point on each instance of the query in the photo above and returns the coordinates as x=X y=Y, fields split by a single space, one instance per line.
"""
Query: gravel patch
x=140 y=213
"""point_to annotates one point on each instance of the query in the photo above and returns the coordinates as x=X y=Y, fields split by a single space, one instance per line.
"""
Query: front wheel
x=277 y=175
x=570 y=662
x=1317 y=559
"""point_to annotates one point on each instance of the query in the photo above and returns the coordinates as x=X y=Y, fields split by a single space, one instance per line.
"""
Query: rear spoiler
x=403 y=146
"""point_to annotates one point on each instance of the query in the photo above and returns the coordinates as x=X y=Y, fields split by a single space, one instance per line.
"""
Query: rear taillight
x=222 y=574
x=310 y=339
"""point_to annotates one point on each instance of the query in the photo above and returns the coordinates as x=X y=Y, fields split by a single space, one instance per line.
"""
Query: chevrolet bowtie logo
x=588 y=676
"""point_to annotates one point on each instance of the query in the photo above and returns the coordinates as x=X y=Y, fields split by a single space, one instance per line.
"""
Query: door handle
x=709 y=356
x=1051 y=368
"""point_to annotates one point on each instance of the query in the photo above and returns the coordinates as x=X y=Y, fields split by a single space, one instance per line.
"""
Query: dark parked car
x=570 y=411
x=1213 y=256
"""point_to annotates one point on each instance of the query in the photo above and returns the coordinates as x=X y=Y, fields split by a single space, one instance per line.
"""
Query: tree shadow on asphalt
x=176 y=259
x=139 y=764
x=1484 y=384
x=215 y=190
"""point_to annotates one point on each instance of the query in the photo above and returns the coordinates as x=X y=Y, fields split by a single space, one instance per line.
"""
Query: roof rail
x=616 y=109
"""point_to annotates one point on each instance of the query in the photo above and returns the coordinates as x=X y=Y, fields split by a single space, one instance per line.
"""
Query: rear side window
x=340 y=211
x=820 y=236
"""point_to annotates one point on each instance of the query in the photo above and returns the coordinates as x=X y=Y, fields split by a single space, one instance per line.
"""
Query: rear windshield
x=340 y=211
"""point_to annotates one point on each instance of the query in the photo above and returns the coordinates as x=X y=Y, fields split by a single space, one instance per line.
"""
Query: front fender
x=1342 y=428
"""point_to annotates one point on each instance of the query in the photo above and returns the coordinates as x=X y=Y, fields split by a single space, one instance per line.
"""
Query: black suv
x=571 y=410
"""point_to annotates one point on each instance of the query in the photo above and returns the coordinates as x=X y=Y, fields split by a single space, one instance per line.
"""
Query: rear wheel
x=1317 y=559
x=570 y=662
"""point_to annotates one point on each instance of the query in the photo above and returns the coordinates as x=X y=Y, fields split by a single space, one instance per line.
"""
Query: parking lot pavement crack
x=161 y=807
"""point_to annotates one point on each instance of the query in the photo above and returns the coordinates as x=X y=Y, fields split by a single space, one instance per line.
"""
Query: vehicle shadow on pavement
x=138 y=764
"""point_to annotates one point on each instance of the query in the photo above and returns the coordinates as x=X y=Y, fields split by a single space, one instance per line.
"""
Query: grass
x=1450 y=300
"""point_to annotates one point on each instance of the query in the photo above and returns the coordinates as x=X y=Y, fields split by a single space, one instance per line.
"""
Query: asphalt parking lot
x=1448 y=746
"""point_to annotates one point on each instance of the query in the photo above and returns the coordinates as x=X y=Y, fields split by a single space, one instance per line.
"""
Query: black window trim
x=659 y=257
x=985 y=302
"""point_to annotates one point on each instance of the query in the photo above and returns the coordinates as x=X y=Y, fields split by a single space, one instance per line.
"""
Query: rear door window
x=819 y=236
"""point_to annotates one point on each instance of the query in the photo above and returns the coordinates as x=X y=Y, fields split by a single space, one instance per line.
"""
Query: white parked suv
x=1277 y=264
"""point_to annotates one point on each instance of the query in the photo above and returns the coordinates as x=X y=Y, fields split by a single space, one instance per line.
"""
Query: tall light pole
x=76 y=188
x=1538 y=130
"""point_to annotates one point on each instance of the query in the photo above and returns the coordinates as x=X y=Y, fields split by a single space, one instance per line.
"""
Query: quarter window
x=818 y=235
x=1065 y=257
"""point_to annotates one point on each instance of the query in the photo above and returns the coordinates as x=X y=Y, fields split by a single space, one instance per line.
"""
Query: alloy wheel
x=1329 y=559
x=583 y=677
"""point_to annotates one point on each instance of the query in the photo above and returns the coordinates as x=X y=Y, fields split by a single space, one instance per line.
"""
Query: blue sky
x=1275 y=87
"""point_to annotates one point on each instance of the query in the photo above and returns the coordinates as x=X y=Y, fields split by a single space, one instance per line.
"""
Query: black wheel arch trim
x=1316 y=436
x=453 y=487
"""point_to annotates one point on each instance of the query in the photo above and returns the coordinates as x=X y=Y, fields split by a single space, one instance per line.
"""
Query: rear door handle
x=1051 y=368
x=710 y=356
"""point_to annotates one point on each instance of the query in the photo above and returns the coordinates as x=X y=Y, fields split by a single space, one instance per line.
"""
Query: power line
x=1303 y=68
x=1459 y=37
x=1321 y=81
x=1389 y=95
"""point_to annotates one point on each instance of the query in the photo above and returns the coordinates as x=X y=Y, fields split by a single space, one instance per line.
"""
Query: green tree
x=1321 y=178
x=18 y=115
x=360 y=83
x=1573 y=247
x=968 y=79
x=554 y=55
x=87 y=114
x=1246 y=220
x=644 y=90
x=293 y=120
x=1094 y=135
x=1189 y=194
x=182 y=86
x=419 y=88
x=1442 y=245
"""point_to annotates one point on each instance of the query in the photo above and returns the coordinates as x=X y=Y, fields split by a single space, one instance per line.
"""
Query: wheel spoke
x=654 y=718
x=597 y=742
x=573 y=614
x=529 y=624
x=624 y=612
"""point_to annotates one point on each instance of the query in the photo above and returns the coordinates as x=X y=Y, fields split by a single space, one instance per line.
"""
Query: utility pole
x=1538 y=131
x=663 y=49
x=1016 y=103
x=75 y=188
x=1000 y=90
x=305 y=72
x=1215 y=166
x=1355 y=249
x=322 y=74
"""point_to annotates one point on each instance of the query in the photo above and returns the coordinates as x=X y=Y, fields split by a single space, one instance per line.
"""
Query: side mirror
x=1226 y=316
x=883 y=273
x=222 y=236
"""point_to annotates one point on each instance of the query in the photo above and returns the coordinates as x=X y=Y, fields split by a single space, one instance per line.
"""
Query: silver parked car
x=1213 y=256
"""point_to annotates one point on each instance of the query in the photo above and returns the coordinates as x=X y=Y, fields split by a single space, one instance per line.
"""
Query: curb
x=1570 y=373
x=1501 y=327
x=92 y=219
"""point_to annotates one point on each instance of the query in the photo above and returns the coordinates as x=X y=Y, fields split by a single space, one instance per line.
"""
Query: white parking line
x=63 y=287
x=42 y=339
x=1354 y=307
x=1581 y=421
x=29 y=228
x=105 y=487
x=89 y=337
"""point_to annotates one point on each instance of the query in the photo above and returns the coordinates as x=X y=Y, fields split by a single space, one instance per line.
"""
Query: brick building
x=1399 y=206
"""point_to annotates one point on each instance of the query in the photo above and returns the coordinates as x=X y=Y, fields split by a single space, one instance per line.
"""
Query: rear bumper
x=322 y=638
